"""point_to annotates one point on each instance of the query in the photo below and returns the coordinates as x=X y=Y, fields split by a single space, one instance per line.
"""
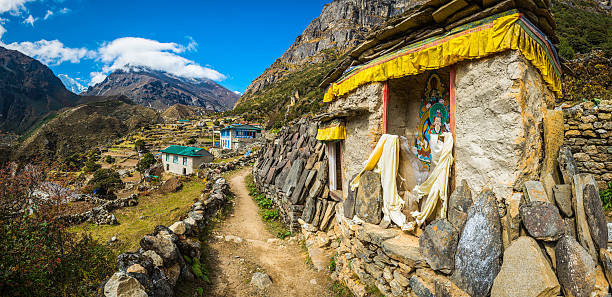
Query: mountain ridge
x=160 y=90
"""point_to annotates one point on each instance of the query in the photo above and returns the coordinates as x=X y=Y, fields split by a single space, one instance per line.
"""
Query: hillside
x=180 y=112
x=80 y=128
x=288 y=87
x=29 y=90
x=159 y=90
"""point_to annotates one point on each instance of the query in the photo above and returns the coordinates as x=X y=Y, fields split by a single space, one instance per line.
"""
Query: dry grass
x=156 y=209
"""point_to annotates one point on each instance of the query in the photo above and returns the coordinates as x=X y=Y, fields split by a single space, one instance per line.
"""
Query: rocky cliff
x=28 y=91
x=341 y=25
x=159 y=90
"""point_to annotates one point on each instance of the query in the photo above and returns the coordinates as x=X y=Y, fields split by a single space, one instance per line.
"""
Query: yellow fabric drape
x=503 y=33
x=331 y=133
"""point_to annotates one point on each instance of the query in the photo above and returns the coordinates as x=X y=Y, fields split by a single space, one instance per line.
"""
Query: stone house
x=235 y=136
x=183 y=160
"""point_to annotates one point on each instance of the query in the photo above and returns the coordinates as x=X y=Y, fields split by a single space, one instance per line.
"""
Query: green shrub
x=271 y=214
x=91 y=165
x=106 y=181
x=38 y=259
x=109 y=160
x=606 y=197
x=145 y=162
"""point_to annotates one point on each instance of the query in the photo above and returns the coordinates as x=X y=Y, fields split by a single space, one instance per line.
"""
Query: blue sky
x=231 y=42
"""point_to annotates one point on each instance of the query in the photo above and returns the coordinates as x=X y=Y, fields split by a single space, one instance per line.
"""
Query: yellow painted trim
x=332 y=133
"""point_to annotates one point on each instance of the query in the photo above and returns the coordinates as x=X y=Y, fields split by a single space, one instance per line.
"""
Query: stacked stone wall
x=588 y=132
x=292 y=170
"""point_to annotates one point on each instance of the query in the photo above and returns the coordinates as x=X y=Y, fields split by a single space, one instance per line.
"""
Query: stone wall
x=588 y=132
x=292 y=170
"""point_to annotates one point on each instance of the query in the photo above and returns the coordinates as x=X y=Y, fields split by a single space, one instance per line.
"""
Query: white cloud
x=13 y=6
x=96 y=78
x=193 y=45
x=64 y=10
x=48 y=14
x=30 y=20
x=51 y=52
x=2 y=31
x=237 y=93
x=135 y=51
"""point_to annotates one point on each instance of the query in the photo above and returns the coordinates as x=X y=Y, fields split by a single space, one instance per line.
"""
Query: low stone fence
x=292 y=170
x=99 y=215
x=588 y=131
x=169 y=254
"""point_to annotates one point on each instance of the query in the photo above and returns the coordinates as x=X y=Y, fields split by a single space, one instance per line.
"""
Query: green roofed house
x=184 y=160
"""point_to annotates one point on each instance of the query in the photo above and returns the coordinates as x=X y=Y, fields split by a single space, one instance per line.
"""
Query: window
x=167 y=166
x=185 y=161
x=334 y=153
x=174 y=159
x=167 y=158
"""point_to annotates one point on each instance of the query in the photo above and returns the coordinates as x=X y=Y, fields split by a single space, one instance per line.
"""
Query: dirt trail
x=233 y=264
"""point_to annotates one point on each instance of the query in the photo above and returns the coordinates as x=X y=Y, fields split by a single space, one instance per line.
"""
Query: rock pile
x=100 y=215
x=436 y=17
x=293 y=171
x=166 y=255
x=588 y=132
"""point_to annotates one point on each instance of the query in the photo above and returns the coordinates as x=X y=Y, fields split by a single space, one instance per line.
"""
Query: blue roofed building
x=235 y=136
x=184 y=160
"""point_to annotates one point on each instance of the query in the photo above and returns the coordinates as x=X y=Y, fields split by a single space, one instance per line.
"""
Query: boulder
x=136 y=268
x=563 y=197
x=542 y=220
x=445 y=288
x=374 y=234
x=260 y=280
x=575 y=268
x=368 y=205
x=438 y=245
x=171 y=185
x=525 y=272
x=478 y=255
x=179 y=228
x=155 y=258
x=534 y=191
x=421 y=288
x=161 y=245
x=458 y=204
x=403 y=248
x=126 y=260
x=567 y=164
x=123 y=285
x=595 y=216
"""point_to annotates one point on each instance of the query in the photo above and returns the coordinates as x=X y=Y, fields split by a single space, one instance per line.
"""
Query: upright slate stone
x=575 y=268
x=478 y=256
x=567 y=164
x=309 y=210
x=296 y=196
x=368 y=205
x=458 y=205
x=563 y=197
x=349 y=203
x=595 y=217
x=438 y=245
x=293 y=177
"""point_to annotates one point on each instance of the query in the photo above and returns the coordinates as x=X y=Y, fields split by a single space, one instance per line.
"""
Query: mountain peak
x=160 y=89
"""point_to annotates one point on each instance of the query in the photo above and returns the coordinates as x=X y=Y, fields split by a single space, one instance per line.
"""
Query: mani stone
x=293 y=177
x=579 y=202
x=421 y=288
x=567 y=164
x=563 y=197
x=438 y=244
x=575 y=268
x=309 y=210
x=525 y=272
x=534 y=191
x=595 y=217
x=349 y=203
x=478 y=256
x=368 y=205
x=542 y=220
x=458 y=205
